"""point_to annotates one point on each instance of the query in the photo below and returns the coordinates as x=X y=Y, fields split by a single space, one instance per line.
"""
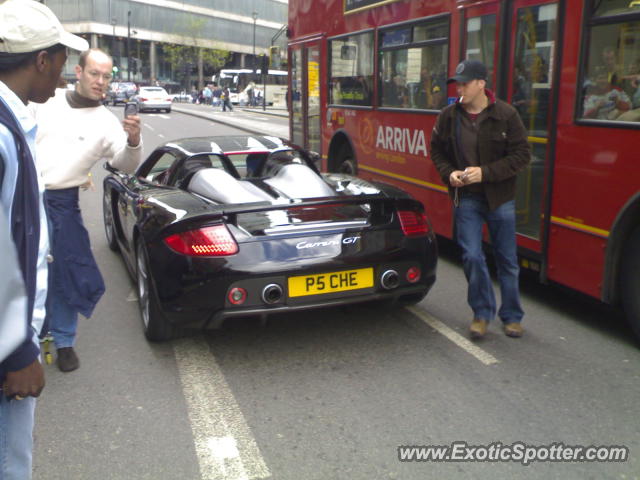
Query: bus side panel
x=575 y=260
x=591 y=186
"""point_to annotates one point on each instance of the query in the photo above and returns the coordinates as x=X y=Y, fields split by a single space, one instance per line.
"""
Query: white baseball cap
x=29 y=26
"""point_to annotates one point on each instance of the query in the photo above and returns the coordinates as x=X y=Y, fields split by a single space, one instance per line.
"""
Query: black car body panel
x=291 y=249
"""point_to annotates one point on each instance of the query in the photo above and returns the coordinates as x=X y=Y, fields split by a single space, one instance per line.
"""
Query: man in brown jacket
x=478 y=145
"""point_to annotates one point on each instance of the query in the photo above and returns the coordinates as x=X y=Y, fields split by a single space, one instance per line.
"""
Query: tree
x=188 y=53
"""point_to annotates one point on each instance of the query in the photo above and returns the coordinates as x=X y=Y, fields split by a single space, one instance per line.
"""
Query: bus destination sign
x=351 y=6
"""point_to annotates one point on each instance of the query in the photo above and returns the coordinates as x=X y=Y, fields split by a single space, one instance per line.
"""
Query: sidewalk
x=273 y=121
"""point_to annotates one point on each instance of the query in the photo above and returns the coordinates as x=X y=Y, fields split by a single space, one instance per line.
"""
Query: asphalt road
x=333 y=394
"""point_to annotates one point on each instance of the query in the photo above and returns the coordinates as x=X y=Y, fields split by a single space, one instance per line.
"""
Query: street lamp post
x=113 y=21
x=255 y=17
x=113 y=42
x=128 y=46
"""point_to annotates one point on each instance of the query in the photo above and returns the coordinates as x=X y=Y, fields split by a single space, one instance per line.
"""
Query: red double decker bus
x=368 y=78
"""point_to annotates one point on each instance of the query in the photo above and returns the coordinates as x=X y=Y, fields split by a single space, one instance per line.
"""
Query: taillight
x=237 y=295
x=413 y=223
x=413 y=274
x=212 y=241
x=169 y=100
x=143 y=99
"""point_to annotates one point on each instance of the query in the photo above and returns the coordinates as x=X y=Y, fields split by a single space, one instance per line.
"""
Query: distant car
x=121 y=92
x=216 y=228
x=153 y=98
x=180 y=97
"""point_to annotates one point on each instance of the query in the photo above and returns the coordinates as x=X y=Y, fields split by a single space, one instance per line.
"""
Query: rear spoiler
x=380 y=205
x=377 y=199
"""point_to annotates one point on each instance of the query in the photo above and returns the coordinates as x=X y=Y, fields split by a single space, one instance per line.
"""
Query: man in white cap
x=33 y=49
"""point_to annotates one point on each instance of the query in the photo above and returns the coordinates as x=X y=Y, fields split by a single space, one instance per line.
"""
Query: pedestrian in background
x=226 y=99
x=206 y=93
x=75 y=132
x=33 y=50
x=215 y=95
x=478 y=145
x=251 y=91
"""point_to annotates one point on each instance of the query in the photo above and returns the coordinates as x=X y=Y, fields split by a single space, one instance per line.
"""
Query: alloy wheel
x=143 y=287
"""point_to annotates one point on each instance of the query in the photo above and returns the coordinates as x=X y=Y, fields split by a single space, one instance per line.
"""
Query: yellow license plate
x=330 y=282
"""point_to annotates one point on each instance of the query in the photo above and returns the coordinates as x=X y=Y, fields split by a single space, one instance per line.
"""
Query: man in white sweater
x=75 y=132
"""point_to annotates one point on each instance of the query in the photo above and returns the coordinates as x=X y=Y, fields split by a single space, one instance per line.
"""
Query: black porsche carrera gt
x=214 y=228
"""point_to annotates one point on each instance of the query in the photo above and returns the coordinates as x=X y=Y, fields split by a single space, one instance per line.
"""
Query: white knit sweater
x=70 y=141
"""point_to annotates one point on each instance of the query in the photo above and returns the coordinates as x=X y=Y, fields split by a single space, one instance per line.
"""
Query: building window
x=351 y=70
x=611 y=71
x=413 y=65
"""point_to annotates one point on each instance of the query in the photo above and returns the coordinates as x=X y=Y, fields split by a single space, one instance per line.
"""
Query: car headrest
x=299 y=181
x=219 y=186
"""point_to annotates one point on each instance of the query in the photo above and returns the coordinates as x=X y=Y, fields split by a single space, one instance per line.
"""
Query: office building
x=135 y=32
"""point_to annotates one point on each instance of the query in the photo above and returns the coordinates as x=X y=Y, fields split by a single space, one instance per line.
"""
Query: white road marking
x=465 y=344
x=224 y=444
x=160 y=135
x=166 y=117
x=133 y=296
x=149 y=127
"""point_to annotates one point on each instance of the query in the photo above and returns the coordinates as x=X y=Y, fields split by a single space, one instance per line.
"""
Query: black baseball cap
x=468 y=70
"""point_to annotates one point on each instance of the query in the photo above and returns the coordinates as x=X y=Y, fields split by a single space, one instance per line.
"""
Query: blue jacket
x=77 y=277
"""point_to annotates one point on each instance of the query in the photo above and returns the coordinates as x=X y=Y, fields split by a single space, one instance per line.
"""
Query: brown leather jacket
x=503 y=149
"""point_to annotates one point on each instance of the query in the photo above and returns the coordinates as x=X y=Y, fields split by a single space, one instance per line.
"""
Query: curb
x=266 y=112
x=212 y=118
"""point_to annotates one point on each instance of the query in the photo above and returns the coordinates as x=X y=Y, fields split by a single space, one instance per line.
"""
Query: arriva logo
x=402 y=140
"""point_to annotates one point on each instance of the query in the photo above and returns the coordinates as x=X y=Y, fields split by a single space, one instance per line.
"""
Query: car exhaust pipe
x=390 y=279
x=272 y=293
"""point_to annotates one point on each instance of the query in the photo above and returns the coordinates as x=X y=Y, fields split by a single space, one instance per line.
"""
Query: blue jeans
x=470 y=215
x=63 y=320
x=16 y=437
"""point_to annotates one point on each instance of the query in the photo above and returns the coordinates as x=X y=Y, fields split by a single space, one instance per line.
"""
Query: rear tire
x=630 y=281
x=109 y=227
x=346 y=162
x=156 y=327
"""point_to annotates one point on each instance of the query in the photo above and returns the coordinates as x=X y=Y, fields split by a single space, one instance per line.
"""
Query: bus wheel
x=630 y=285
x=346 y=163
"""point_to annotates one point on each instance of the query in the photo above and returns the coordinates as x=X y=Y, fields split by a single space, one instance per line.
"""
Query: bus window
x=413 y=66
x=533 y=58
x=615 y=7
x=480 y=42
x=611 y=83
x=296 y=105
x=351 y=70
x=535 y=41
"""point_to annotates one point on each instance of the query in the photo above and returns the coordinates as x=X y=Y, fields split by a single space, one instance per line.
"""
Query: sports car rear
x=270 y=259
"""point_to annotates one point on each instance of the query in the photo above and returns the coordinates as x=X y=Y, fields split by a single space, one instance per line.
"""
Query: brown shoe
x=67 y=359
x=513 y=329
x=478 y=328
